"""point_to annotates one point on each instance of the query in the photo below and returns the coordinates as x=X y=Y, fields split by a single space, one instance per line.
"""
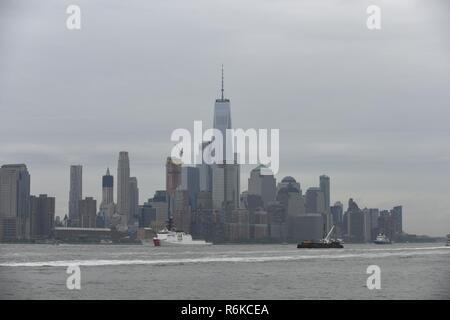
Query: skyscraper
x=397 y=220
x=205 y=174
x=222 y=121
x=262 y=185
x=42 y=216
x=134 y=200
x=107 y=188
x=173 y=180
x=75 y=193
x=315 y=202
x=88 y=212
x=107 y=206
x=355 y=222
x=226 y=185
x=173 y=175
x=190 y=181
x=337 y=211
x=123 y=187
x=226 y=173
x=325 y=187
x=14 y=202
x=160 y=203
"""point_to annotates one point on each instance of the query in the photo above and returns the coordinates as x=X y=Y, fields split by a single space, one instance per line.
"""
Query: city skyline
x=383 y=141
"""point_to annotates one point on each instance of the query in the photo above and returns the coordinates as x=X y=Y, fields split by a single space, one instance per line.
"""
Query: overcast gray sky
x=370 y=109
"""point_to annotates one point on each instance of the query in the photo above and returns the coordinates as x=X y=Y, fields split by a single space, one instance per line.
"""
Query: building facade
x=123 y=187
x=88 y=212
x=42 y=216
x=75 y=193
x=14 y=202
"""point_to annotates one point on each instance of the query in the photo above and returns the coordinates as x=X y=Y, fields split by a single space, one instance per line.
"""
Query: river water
x=408 y=271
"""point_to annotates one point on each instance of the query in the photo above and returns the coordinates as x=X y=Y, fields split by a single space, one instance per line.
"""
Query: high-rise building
x=262 y=185
x=173 y=175
x=226 y=186
x=14 y=202
x=190 y=181
x=385 y=224
x=134 y=200
x=123 y=187
x=161 y=205
x=147 y=215
x=397 y=220
x=107 y=206
x=75 y=193
x=218 y=186
x=337 y=211
x=337 y=218
x=278 y=229
x=222 y=122
x=286 y=181
x=173 y=180
x=315 y=202
x=87 y=212
x=205 y=175
x=374 y=213
x=107 y=188
x=42 y=216
x=325 y=187
x=294 y=207
x=355 y=223
x=367 y=225
x=181 y=213
x=225 y=173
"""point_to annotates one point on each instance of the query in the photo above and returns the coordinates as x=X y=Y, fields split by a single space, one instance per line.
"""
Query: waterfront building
x=42 y=216
x=123 y=188
x=87 y=212
x=14 y=202
x=75 y=193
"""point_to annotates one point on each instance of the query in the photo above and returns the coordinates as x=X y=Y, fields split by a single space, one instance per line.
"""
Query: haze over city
x=368 y=109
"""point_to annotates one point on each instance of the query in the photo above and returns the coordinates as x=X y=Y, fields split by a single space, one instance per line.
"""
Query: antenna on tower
x=222 y=81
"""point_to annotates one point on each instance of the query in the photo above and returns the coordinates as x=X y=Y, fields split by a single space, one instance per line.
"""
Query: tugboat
x=382 y=239
x=325 y=243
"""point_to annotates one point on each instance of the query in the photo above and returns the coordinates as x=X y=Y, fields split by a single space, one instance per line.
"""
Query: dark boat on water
x=326 y=243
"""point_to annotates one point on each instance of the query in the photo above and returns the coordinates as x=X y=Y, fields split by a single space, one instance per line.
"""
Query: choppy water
x=408 y=271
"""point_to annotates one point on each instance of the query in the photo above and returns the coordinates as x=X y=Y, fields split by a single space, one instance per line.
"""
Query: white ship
x=382 y=239
x=168 y=238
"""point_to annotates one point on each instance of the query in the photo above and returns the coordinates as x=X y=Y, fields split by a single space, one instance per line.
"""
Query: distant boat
x=382 y=239
x=448 y=240
x=166 y=238
x=326 y=243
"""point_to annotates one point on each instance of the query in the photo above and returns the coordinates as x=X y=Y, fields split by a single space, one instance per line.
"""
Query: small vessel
x=326 y=243
x=448 y=240
x=167 y=237
x=382 y=239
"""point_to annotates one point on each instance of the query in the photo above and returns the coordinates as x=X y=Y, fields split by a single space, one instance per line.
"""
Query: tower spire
x=222 y=81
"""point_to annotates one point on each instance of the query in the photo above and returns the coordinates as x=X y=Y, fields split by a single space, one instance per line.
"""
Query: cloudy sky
x=370 y=109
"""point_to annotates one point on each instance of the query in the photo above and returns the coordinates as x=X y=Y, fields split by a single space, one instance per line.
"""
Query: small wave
x=97 y=262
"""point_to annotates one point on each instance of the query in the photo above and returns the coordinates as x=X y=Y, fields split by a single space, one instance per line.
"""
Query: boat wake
x=229 y=259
